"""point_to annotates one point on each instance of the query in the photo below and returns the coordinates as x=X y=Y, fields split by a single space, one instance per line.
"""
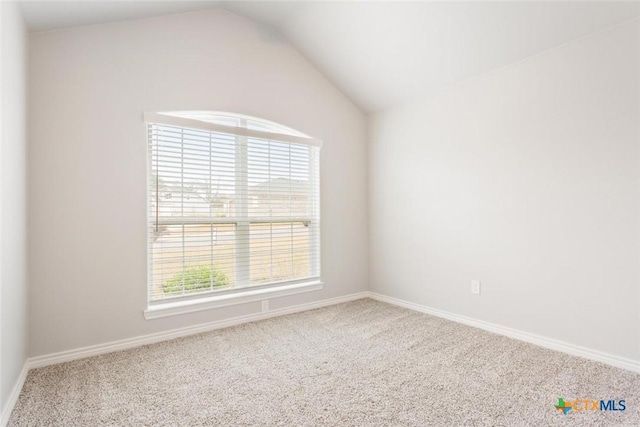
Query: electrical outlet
x=265 y=305
x=475 y=287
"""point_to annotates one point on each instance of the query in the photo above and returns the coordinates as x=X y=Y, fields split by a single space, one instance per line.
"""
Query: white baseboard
x=552 y=344
x=15 y=393
x=110 y=347
x=95 y=350
x=67 y=356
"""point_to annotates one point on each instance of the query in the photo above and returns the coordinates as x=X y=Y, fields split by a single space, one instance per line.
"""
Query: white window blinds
x=234 y=202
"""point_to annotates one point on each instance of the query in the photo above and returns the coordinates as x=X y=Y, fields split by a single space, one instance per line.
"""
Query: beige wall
x=13 y=255
x=526 y=178
x=88 y=89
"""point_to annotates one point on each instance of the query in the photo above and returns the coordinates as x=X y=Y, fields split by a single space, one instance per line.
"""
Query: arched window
x=237 y=120
x=234 y=209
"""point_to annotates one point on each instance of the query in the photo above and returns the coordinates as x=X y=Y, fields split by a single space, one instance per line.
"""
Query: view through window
x=233 y=204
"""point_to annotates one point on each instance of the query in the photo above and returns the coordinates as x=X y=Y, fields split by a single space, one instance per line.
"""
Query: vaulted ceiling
x=384 y=53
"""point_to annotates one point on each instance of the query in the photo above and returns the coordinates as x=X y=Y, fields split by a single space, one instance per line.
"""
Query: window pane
x=193 y=173
x=187 y=259
x=279 y=251
x=278 y=179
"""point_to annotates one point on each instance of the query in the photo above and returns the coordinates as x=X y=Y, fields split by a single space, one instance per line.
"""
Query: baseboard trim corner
x=15 y=394
x=128 y=343
x=549 y=343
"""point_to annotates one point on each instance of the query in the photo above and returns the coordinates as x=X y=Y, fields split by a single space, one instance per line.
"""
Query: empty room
x=319 y=213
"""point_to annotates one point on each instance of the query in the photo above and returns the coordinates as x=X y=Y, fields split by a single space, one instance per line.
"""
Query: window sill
x=240 y=297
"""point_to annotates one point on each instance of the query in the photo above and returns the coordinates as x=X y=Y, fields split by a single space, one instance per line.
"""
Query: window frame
x=242 y=291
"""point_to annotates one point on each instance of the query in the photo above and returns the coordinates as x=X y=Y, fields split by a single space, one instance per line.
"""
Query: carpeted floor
x=362 y=363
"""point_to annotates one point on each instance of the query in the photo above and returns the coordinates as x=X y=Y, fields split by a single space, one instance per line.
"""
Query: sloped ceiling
x=385 y=53
x=47 y=15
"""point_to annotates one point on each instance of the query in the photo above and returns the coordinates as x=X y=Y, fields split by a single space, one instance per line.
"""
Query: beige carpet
x=362 y=363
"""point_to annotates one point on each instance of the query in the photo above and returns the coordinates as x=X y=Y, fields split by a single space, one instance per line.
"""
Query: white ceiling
x=48 y=15
x=383 y=53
